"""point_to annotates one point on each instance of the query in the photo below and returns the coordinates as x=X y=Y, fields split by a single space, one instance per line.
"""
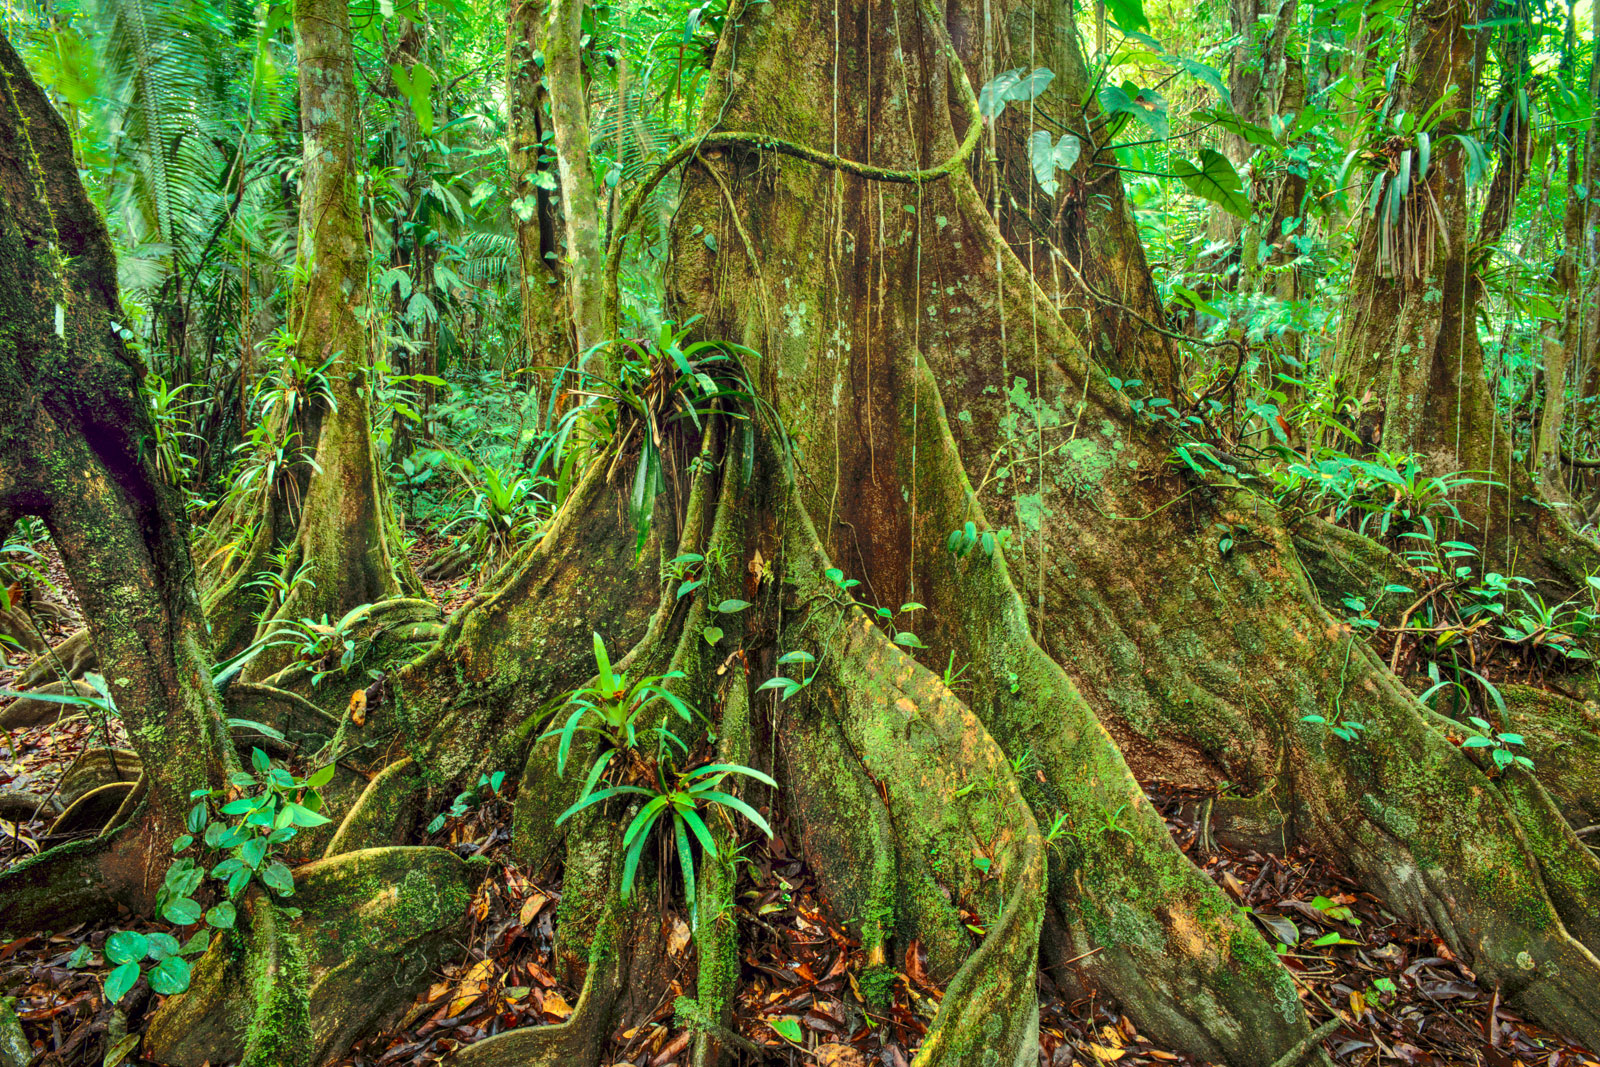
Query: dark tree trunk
x=75 y=449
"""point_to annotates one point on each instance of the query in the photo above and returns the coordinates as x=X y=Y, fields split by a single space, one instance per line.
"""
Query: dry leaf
x=1107 y=1055
x=358 y=707
x=834 y=1054
x=678 y=938
x=532 y=907
x=556 y=1005
x=473 y=985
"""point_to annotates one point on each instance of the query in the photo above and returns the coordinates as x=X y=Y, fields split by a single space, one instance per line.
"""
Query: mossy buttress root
x=374 y=924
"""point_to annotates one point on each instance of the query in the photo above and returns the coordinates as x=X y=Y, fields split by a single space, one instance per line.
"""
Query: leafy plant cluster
x=674 y=792
x=235 y=839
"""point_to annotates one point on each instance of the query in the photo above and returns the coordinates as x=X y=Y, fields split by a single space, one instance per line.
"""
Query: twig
x=1305 y=1045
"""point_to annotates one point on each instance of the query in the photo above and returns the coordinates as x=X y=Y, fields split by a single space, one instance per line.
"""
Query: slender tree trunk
x=569 y=112
x=1576 y=278
x=343 y=524
x=546 y=334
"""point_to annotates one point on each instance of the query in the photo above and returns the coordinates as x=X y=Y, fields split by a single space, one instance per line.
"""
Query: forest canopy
x=940 y=532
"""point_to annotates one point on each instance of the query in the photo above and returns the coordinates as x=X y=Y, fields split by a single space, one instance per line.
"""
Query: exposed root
x=374 y=924
x=383 y=813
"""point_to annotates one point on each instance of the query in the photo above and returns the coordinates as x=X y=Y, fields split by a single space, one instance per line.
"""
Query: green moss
x=279 y=1031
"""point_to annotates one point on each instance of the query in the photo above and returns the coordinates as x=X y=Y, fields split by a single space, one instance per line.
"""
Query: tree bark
x=546 y=334
x=73 y=450
x=580 y=198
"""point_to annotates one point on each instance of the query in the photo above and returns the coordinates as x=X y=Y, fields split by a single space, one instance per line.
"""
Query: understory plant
x=618 y=715
x=235 y=838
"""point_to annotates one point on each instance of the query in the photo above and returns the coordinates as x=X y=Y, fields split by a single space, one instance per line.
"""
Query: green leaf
x=222 y=916
x=253 y=852
x=321 y=778
x=170 y=976
x=602 y=661
x=279 y=878
x=1210 y=76
x=729 y=607
x=711 y=634
x=125 y=946
x=1214 y=179
x=1030 y=86
x=181 y=912
x=786 y=1027
x=1146 y=105
x=300 y=815
x=162 y=946
x=119 y=1052
x=416 y=86
x=119 y=981
x=1327 y=939
x=259 y=760
x=1048 y=156
x=1127 y=15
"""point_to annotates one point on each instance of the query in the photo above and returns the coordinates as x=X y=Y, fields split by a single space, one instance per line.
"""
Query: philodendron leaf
x=1048 y=156
x=170 y=976
x=125 y=946
x=1214 y=178
x=1146 y=105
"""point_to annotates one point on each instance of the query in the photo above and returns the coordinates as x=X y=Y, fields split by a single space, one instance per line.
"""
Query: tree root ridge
x=287 y=993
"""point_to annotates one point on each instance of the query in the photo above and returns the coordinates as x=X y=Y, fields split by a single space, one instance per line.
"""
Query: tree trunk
x=342 y=525
x=1081 y=242
x=580 y=198
x=546 y=335
x=1576 y=279
x=867 y=348
x=73 y=450
x=1408 y=342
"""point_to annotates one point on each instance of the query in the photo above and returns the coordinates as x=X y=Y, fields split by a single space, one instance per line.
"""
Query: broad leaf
x=170 y=976
x=1214 y=179
x=1049 y=156
x=119 y=981
x=1127 y=15
x=125 y=946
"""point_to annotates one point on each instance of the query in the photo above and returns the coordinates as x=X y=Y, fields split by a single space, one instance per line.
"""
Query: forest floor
x=1401 y=995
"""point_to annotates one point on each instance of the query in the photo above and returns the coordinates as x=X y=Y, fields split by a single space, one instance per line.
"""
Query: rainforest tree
x=926 y=519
